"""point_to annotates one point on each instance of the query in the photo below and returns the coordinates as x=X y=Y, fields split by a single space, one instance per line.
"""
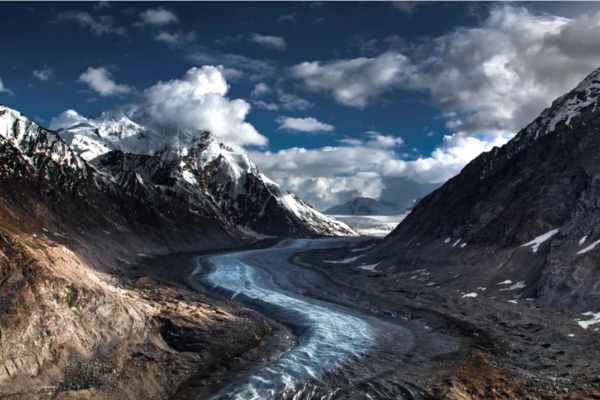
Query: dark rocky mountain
x=366 y=206
x=527 y=213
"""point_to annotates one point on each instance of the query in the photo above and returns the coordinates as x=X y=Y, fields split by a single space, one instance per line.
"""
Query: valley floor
x=438 y=344
x=386 y=336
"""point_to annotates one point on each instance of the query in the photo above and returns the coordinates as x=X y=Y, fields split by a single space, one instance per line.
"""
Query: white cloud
x=270 y=42
x=158 y=16
x=256 y=69
x=176 y=38
x=408 y=7
x=286 y=18
x=265 y=105
x=493 y=78
x=66 y=119
x=99 y=26
x=332 y=175
x=308 y=124
x=45 y=73
x=197 y=102
x=292 y=102
x=382 y=141
x=499 y=76
x=100 y=80
x=101 y=5
x=260 y=89
x=4 y=89
x=352 y=82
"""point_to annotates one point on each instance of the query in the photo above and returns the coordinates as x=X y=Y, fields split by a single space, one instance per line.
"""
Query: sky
x=330 y=99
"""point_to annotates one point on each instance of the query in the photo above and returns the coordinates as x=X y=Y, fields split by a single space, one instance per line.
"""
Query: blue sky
x=382 y=99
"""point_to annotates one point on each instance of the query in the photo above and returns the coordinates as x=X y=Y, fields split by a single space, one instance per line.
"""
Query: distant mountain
x=255 y=204
x=528 y=212
x=366 y=206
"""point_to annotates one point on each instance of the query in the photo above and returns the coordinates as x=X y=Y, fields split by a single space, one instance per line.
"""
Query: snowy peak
x=111 y=130
x=254 y=202
x=33 y=141
x=565 y=107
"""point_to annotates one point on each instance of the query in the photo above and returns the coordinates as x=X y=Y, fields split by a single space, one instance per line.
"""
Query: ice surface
x=329 y=338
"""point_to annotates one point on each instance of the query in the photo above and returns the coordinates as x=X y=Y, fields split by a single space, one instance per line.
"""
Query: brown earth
x=71 y=331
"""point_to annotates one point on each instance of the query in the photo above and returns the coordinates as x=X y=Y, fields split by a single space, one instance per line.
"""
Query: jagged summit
x=135 y=156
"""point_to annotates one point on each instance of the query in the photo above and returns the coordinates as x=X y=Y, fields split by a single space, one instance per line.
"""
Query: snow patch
x=344 y=261
x=589 y=248
x=370 y=267
x=518 y=285
x=537 y=242
x=470 y=295
x=582 y=240
x=594 y=320
x=506 y=282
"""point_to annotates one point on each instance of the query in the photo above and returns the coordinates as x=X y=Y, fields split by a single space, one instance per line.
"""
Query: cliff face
x=527 y=212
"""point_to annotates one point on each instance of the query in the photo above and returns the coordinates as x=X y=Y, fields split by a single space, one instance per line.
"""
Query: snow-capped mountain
x=44 y=182
x=249 y=199
x=526 y=212
x=366 y=206
x=111 y=130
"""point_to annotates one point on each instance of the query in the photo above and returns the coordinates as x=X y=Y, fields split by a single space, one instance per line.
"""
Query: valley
x=300 y=201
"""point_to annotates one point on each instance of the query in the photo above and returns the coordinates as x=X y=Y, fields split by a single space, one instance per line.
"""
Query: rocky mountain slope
x=521 y=221
x=68 y=231
x=253 y=202
x=366 y=206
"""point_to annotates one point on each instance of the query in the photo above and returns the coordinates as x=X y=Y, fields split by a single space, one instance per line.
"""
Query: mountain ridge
x=492 y=222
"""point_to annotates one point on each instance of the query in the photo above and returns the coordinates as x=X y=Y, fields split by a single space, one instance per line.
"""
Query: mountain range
x=136 y=155
x=526 y=213
x=367 y=206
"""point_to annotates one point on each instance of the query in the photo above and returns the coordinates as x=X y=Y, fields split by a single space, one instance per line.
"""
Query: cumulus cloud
x=329 y=175
x=352 y=82
x=499 y=76
x=176 y=38
x=66 y=119
x=44 y=74
x=308 y=124
x=158 y=17
x=194 y=103
x=101 y=81
x=493 y=78
x=377 y=139
x=4 y=89
x=270 y=42
x=98 y=26
x=260 y=89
